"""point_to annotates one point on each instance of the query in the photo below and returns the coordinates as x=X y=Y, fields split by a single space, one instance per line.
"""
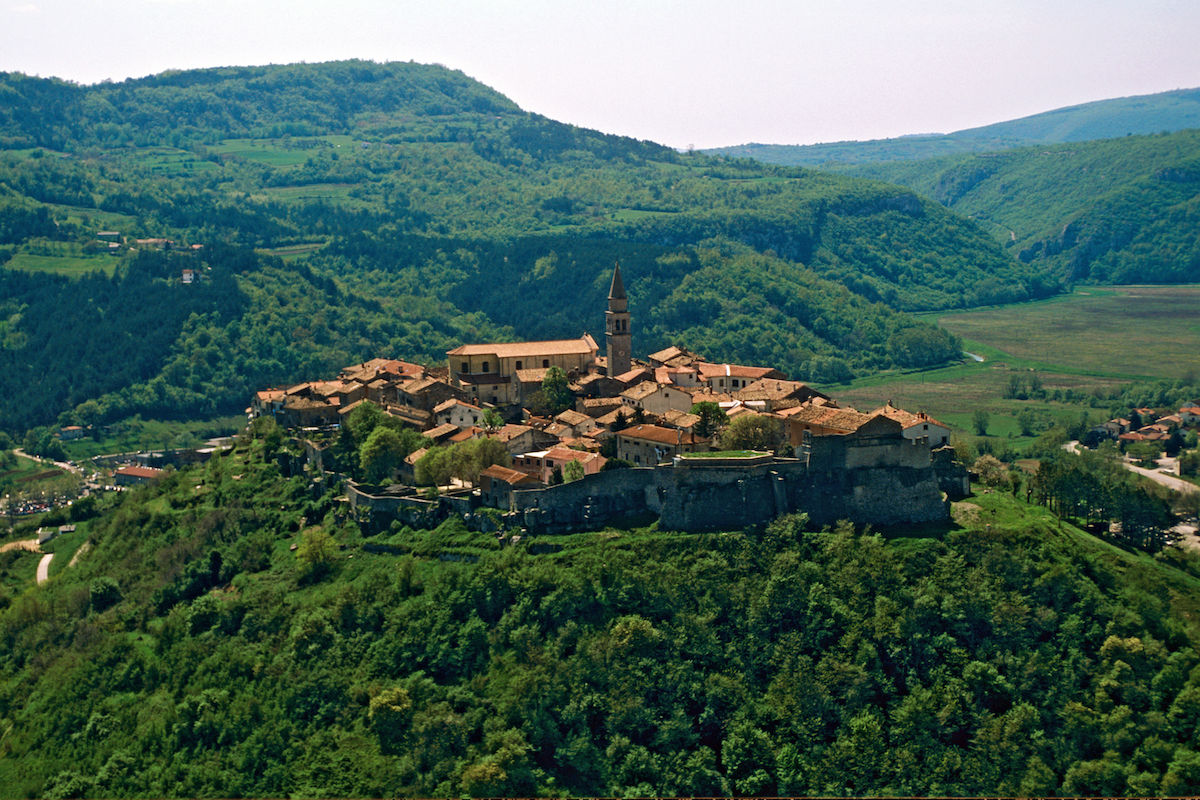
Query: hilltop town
x=565 y=412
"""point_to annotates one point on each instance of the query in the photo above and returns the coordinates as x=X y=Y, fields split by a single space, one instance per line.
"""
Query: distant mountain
x=399 y=209
x=1110 y=211
x=1104 y=119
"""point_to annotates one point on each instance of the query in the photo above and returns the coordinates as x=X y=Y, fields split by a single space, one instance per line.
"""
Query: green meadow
x=70 y=265
x=1084 y=348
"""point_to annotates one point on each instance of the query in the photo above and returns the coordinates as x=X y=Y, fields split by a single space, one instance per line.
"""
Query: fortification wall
x=722 y=497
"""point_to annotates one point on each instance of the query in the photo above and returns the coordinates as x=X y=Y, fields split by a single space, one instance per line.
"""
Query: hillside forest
x=338 y=212
x=233 y=634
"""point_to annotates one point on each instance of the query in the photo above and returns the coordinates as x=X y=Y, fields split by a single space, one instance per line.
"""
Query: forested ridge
x=231 y=633
x=406 y=208
x=1111 y=211
x=1164 y=112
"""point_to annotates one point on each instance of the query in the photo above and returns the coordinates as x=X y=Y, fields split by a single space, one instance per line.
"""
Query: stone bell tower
x=616 y=327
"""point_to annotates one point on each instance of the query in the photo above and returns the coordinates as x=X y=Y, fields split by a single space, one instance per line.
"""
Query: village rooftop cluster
x=637 y=411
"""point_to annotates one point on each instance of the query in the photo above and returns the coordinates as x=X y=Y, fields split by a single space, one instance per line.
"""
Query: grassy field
x=1090 y=343
x=1132 y=332
x=138 y=434
x=278 y=152
x=70 y=265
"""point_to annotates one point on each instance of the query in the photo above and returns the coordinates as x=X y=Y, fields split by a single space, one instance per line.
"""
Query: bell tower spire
x=616 y=327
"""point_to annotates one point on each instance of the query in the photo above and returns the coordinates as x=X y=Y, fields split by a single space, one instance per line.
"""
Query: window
x=485 y=367
x=519 y=365
x=465 y=367
x=545 y=363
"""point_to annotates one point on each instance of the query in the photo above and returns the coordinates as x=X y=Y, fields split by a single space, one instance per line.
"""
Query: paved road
x=1168 y=481
x=43 y=572
x=68 y=466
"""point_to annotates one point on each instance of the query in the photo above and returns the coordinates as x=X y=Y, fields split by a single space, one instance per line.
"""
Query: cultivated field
x=1085 y=346
x=1141 y=332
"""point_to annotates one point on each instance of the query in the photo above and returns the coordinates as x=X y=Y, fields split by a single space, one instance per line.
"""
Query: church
x=506 y=373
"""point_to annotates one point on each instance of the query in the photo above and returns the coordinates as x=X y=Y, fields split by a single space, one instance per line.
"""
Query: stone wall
x=870 y=480
x=874 y=480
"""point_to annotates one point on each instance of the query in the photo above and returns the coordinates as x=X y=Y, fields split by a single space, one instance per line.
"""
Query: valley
x=290 y=617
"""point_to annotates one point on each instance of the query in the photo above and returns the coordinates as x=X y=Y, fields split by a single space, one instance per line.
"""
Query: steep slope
x=424 y=199
x=1103 y=119
x=1111 y=211
x=230 y=634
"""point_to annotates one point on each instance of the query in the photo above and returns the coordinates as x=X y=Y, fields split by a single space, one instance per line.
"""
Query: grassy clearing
x=279 y=152
x=1129 y=332
x=69 y=265
x=312 y=191
x=22 y=471
x=635 y=214
x=291 y=251
x=138 y=434
x=1090 y=343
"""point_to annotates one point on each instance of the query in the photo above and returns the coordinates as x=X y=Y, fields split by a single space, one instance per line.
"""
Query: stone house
x=655 y=398
x=488 y=372
x=457 y=412
x=647 y=445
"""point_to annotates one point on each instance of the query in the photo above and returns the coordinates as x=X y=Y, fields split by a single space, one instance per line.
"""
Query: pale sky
x=694 y=72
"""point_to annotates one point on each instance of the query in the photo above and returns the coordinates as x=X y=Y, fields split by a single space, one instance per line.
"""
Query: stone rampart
x=874 y=480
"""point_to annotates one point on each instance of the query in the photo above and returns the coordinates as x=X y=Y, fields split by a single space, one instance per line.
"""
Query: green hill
x=1103 y=119
x=398 y=209
x=1110 y=211
x=230 y=633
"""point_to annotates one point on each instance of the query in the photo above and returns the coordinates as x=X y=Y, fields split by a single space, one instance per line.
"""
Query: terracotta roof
x=451 y=403
x=906 y=418
x=611 y=417
x=573 y=418
x=709 y=371
x=565 y=454
x=634 y=374
x=441 y=431
x=599 y=406
x=641 y=391
x=420 y=385
x=680 y=419
x=841 y=419
x=583 y=345
x=511 y=431
x=673 y=356
x=148 y=473
x=507 y=475
x=656 y=433
x=465 y=434
x=777 y=388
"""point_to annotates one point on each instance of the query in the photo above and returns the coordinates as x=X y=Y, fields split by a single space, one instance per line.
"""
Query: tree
x=752 y=432
x=1026 y=419
x=363 y=420
x=572 y=471
x=712 y=418
x=381 y=454
x=316 y=554
x=556 y=392
x=491 y=420
x=980 y=419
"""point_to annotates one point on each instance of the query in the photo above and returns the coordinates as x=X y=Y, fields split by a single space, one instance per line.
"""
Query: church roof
x=617 y=290
x=583 y=345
